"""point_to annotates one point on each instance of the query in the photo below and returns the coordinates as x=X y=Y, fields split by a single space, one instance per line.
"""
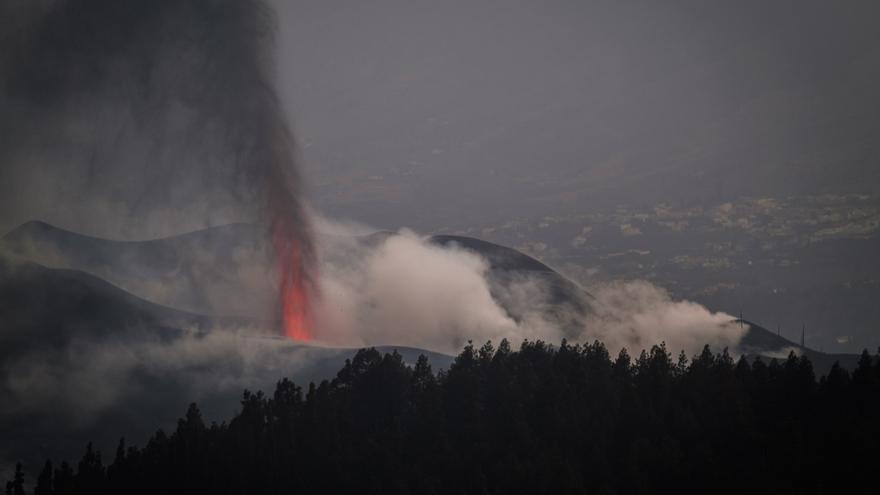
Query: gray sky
x=431 y=114
x=423 y=112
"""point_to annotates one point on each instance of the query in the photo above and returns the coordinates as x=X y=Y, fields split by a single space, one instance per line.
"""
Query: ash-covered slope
x=202 y=271
x=80 y=357
x=759 y=341
x=83 y=360
x=561 y=301
x=225 y=270
x=44 y=307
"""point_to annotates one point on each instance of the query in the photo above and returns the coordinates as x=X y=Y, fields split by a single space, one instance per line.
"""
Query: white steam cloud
x=408 y=292
x=376 y=290
x=638 y=314
x=404 y=290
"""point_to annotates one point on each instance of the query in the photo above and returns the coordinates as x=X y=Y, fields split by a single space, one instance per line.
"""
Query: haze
x=724 y=150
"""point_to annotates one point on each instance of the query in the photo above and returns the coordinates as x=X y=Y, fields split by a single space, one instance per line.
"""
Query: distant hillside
x=202 y=271
x=206 y=269
x=61 y=329
x=224 y=270
x=759 y=341
x=82 y=359
x=564 y=302
x=45 y=307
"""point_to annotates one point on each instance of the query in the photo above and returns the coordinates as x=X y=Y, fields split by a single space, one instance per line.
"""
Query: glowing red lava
x=294 y=291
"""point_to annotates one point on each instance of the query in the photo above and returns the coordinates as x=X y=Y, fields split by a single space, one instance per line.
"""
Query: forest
x=540 y=419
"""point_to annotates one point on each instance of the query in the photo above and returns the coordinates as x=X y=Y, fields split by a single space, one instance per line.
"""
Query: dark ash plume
x=148 y=117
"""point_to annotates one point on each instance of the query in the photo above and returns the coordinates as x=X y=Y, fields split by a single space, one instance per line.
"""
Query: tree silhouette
x=564 y=419
x=44 y=480
x=15 y=486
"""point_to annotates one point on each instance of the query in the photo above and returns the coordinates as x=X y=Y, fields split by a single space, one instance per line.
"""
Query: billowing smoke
x=637 y=314
x=153 y=117
x=394 y=289
x=405 y=291
x=402 y=289
x=150 y=117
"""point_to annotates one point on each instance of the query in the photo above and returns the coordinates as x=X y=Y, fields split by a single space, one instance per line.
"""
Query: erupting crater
x=294 y=286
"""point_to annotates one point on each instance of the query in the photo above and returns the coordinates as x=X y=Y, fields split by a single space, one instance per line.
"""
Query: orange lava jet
x=289 y=230
x=294 y=283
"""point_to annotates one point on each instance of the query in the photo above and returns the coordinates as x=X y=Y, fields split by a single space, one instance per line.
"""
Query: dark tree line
x=543 y=419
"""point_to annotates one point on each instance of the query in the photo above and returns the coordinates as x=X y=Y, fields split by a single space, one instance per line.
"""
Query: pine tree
x=15 y=486
x=90 y=472
x=44 y=481
x=564 y=419
x=63 y=482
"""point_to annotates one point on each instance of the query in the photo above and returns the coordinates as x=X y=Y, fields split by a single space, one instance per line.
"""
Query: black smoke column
x=154 y=109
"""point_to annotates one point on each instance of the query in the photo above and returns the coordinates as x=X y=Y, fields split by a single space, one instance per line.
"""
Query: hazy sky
x=480 y=108
x=430 y=114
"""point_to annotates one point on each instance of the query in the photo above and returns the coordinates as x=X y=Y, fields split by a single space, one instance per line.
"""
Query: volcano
x=70 y=302
x=226 y=273
x=229 y=271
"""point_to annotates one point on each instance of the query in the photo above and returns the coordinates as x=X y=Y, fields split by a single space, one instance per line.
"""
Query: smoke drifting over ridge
x=381 y=289
x=148 y=118
x=402 y=289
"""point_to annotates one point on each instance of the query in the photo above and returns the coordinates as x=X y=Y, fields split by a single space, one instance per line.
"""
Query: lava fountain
x=269 y=150
x=197 y=81
x=294 y=283
x=291 y=242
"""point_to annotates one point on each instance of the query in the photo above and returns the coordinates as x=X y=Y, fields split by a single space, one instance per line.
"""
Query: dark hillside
x=538 y=420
